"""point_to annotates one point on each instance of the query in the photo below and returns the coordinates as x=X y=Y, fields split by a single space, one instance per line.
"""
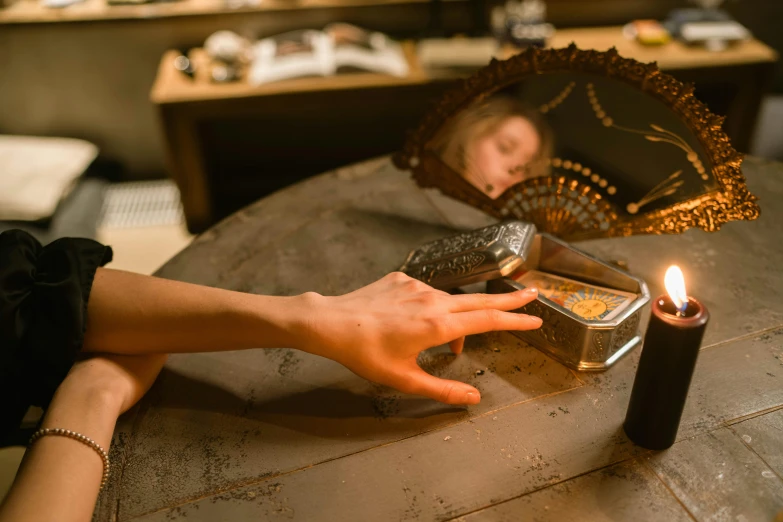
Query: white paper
x=36 y=173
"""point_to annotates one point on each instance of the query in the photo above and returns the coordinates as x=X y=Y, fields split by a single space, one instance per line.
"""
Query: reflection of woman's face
x=497 y=160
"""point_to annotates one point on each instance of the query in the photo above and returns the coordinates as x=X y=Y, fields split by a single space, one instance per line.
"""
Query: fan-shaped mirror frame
x=732 y=201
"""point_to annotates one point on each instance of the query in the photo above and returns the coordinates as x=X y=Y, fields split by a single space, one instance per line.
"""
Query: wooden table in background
x=280 y=434
x=230 y=144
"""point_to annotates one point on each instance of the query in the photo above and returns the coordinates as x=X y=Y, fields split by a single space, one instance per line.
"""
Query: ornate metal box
x=471 y=257
x=495 y=252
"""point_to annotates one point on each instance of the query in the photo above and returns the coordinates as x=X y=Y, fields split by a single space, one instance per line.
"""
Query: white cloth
x=36 y=173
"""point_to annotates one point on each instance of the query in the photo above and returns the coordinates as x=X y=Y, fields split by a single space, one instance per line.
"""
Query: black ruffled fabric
x=43 y=315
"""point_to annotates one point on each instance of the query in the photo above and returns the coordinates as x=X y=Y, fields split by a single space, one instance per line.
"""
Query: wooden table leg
x=186 y=166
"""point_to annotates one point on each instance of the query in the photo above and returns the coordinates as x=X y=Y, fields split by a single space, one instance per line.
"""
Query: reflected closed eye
x=506 y=147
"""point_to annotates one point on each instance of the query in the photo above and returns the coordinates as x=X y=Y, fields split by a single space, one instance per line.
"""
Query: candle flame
x=675 y=286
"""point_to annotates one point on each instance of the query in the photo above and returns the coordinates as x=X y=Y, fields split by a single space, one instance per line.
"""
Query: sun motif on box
x=591 y=303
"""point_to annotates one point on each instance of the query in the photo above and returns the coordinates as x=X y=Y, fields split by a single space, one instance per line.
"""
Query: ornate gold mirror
x=583 y=144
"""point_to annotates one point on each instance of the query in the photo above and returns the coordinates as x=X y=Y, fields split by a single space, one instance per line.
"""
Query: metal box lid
x=474 y=256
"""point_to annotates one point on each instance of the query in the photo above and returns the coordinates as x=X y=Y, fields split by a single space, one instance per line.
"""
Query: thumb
x=419 y=382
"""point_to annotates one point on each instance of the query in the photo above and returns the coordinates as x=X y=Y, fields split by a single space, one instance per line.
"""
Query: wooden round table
x=283 y=435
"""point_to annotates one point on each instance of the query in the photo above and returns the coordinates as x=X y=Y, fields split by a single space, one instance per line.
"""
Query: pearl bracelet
x=81 y=438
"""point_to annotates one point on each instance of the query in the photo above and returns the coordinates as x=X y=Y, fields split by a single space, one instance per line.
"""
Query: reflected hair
x=483 y=118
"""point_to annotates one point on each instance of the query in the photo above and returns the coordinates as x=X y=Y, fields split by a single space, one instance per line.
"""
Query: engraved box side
x=576 y=342
x=473 y=256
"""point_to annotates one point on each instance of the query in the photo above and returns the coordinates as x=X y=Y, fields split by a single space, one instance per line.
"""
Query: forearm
x=60 y=477
x=130 y=313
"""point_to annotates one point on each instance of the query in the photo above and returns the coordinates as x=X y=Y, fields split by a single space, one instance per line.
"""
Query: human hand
x=379 y=330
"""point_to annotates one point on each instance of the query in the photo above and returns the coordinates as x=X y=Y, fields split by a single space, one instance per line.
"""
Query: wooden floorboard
x=718 y=478
x=624 y=491
x=496 y=457
x=764 y=436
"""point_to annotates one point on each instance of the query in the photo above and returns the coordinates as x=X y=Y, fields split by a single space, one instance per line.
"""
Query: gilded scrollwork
x=732 y=201
x=561 y=206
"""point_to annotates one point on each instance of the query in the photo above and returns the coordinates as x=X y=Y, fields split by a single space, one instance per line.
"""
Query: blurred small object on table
x=706 y=25
x=521 y=23
x=222 y=73
x=715 y=36
x=647 y=32
x=183 y=64
x=228 y=47
x=229 y=53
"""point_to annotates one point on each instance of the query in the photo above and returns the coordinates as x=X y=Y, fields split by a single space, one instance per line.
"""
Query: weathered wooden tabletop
x=279 y=434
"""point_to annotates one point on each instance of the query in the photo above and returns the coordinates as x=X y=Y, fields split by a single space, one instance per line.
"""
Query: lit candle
x=669 y=353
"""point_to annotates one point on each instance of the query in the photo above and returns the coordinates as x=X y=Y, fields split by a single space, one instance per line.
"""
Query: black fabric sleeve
x=43 y=316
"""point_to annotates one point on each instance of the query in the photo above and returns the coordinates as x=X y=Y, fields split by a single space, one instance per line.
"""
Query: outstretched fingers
x=507 y=301
x=418 y=382
x=481 y=321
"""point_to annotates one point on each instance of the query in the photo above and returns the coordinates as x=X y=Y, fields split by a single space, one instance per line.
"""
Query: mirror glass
x=626 y=145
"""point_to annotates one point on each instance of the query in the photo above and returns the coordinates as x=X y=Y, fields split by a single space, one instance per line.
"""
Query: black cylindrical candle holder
x=668 y=358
